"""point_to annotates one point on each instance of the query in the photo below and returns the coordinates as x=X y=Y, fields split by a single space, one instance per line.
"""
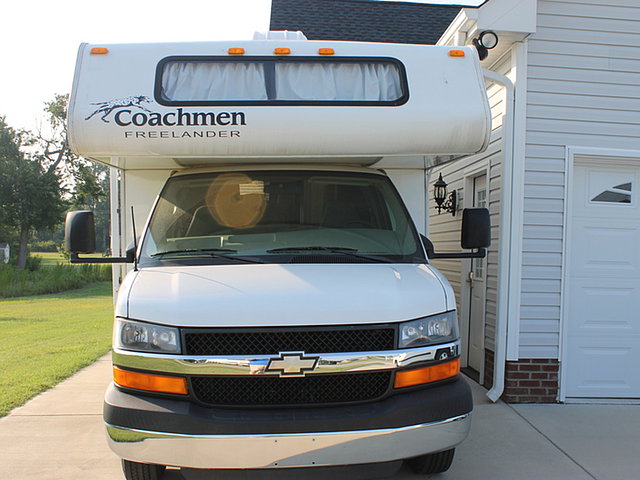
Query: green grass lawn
x=50 y=259
x=47 y=338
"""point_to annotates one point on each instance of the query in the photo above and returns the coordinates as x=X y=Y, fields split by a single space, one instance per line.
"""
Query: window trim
x=404 y=85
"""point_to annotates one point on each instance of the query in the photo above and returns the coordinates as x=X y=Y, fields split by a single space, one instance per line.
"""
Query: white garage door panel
x=601 y=369
x=602 y=358
x=606 y=250
x=610 y=309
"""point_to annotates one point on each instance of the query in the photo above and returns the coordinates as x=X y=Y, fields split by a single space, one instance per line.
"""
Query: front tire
x=142 y=471
x=431 y=463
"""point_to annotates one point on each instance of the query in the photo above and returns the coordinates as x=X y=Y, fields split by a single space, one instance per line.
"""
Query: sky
x=39 y=39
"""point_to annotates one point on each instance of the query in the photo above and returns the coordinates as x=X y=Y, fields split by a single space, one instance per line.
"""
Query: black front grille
x=276 y=340
x=281 y=391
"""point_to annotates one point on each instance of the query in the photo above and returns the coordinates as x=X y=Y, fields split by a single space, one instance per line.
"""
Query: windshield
x=268 y=216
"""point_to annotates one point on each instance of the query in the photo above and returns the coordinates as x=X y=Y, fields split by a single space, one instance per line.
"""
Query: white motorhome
x=279 y=309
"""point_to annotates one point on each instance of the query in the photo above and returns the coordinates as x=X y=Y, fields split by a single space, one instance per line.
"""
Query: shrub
x=33 y=263
x=58 y=278
x=64 y=252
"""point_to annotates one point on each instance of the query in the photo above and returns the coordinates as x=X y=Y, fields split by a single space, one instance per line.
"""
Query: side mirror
x=476 y=228
x=476 y=234
x=80 y=232
x=80 y=237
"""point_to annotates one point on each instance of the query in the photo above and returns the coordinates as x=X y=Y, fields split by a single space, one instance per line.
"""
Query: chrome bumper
x=287 y=450
x=326 y=363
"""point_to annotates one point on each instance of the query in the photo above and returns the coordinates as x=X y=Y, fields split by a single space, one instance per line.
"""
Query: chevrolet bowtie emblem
x=292 y=364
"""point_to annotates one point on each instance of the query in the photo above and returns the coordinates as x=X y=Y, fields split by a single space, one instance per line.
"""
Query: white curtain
x=193 y=81
x=312 y=81
x=337 y=81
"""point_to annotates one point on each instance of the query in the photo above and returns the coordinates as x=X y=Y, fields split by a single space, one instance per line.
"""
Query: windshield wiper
x=208 y=252
x=351 y=252
x=195 y=250
x=315 y=247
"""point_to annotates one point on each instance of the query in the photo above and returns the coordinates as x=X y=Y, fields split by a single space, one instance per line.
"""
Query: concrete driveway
x=59 y=436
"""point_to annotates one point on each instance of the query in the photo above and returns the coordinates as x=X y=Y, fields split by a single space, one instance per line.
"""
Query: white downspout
x=506 y=231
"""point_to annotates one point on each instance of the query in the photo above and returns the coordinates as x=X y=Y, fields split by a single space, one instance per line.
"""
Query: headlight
x=432 y=330
x=145 y=337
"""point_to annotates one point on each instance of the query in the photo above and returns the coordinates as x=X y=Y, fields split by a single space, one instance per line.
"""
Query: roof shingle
x=363 y=20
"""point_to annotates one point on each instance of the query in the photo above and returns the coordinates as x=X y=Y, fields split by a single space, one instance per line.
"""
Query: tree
x=87 y=182
x=30 y=191
x=40 y=177
x=9 y=149
x=91 y=192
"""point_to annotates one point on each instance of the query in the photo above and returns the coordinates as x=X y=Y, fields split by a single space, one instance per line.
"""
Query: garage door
x=602 y=358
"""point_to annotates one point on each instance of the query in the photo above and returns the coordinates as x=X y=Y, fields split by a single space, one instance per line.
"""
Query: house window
x=481 y=202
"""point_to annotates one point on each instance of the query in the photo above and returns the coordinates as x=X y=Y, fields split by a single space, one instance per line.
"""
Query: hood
x=280 y=295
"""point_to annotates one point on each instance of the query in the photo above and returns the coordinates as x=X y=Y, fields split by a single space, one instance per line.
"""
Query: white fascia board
x=512 y=20
x=501 y=16
x=508 y=16
x=464 y=22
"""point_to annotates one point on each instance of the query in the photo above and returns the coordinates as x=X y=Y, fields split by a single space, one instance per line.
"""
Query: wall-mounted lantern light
x=485 y=42
x=444 y=202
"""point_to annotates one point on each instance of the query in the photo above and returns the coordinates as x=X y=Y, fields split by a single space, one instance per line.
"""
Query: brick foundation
x=488 y=369
x=531 y=380
x=528 y=380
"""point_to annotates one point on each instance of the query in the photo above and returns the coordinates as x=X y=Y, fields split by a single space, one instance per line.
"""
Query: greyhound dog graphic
x=109 y=106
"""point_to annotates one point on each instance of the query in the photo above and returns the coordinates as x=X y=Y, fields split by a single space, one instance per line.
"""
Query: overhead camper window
x=279 y=81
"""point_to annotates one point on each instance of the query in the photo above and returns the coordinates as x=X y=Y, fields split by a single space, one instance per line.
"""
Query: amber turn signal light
x=456 y=53
x=326 y=51
x=236 y=51
x=99 y=51
x=282 y=51
x=433 y=373
x=149 y=382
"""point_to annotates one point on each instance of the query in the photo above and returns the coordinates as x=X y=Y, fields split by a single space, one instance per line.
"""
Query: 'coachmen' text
x=179 y=118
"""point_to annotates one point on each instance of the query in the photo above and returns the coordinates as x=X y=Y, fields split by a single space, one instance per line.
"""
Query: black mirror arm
x=128 y=259
x=480 y=253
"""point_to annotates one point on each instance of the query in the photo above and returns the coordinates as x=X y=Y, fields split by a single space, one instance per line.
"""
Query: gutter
x=505 y=259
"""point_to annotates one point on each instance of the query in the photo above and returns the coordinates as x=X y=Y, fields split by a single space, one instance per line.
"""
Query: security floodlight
x=485 y=42
x=488 y=39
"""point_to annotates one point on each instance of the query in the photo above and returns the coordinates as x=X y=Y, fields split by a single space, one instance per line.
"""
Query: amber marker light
x=236 y=51
x=456 y=53
x=150 y=383
x=326 y=51
x=282 y=51
x=99 y=51
x=420 y=376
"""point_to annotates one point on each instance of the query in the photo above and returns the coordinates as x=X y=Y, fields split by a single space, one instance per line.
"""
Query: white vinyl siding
x=444 y=229
x=583 y=80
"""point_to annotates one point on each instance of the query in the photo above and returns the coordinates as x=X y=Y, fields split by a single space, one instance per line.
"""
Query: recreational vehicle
x=276 y=305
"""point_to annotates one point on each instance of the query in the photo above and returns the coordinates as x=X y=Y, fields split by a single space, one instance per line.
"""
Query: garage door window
x=610 y=188
x=618 y=194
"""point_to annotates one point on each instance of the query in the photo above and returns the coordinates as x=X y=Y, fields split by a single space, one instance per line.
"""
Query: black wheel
x=142 y=471
x=432 y=463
